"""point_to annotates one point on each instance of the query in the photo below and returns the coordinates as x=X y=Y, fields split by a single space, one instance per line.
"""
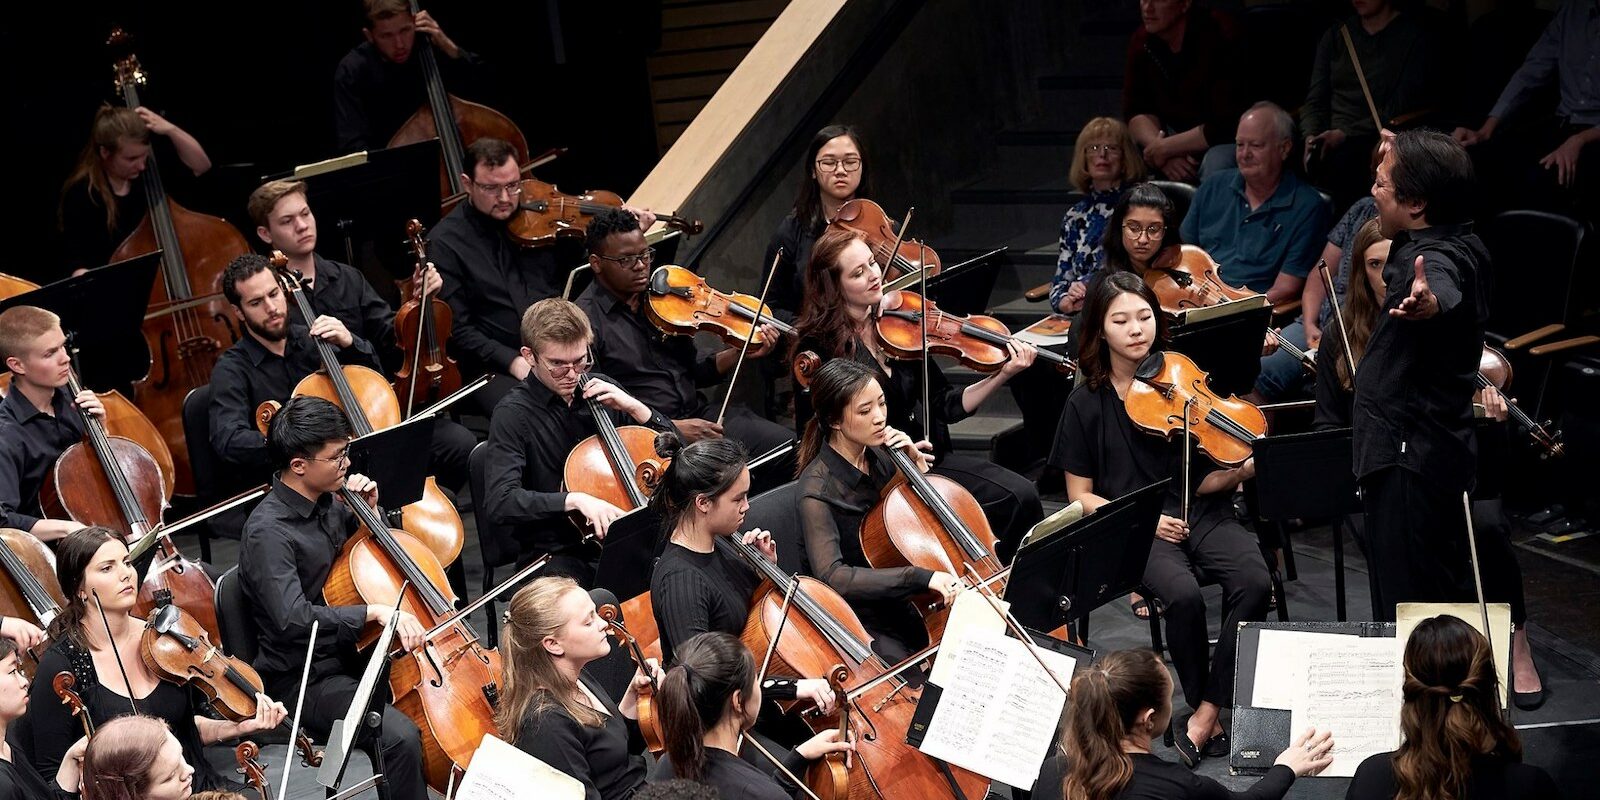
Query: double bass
x=456 y=123
x=188 y=323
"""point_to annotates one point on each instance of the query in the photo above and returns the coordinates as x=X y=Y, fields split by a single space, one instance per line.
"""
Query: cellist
x=378 y=85
x=284 y=222
x=285 y=554
x=37 y=421
x=102 y=201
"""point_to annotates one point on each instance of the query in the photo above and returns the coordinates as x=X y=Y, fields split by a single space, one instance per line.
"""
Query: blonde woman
x=1105 y=163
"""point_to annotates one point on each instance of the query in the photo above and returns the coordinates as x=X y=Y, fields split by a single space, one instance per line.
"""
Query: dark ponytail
x=831 y=389
x=707 y=467
x=695 y=695
x=1103 y=704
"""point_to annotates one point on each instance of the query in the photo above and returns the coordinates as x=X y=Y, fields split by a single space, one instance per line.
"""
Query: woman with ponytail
x=708 y=701
x=697 y=587
x=1457 y=746
x=1115 y=709
x=555 y=711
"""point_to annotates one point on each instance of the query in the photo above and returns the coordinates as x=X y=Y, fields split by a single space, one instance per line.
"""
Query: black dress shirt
x=795 y=238
x=248 y=374
x=902 y=388
x=1155 y=778
x=1494 y=777
x=489 y=280
x=373 y=96
x=342 y=292
x=737 y=779
x=30 y=442
x=663 y=372
x=1333 y=400
x=1095 y=439
x=602 y=758
x=1414 y=385
x=285 y=554
x=20 y=781
x=530 y=435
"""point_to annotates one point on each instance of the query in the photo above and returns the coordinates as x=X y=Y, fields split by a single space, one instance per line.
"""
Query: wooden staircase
x=701 y=43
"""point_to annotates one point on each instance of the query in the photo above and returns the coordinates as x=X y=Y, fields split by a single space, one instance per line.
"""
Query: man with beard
x=268 y=361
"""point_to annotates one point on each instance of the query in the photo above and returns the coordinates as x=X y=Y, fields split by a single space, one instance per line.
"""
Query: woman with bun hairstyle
x=136 y=757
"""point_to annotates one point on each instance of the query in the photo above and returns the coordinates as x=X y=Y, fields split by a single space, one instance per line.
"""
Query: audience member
x=1180 y=90
x=1104 y=164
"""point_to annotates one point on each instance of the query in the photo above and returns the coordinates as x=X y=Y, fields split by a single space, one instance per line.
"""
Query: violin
x=1494 y=369
x=65 y=685
x=177 y=649
x=649 y=725
x=427 y=373
x=868 y=220
x=682 y=303
x=449 y=685
x=978 y=342
x=1186 y=277
x=932 y=522
x=254 y=772
x=189 y=323
x=829 y=777
x=617 y=465
x=456 y=123
x=370 y=404
x=821 y=632
x=1169 y=394
x=28 y=586
x=545 y=213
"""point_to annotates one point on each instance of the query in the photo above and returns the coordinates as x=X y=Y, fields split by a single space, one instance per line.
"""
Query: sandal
x=1141 y=608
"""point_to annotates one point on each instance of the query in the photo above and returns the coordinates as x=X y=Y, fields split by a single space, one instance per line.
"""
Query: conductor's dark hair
x=1433 y=169
x=706 y=468
x=488 y=151
x=607 y=222
x=239 y=270
x=808 y=202
x=695 y=695
x=302 y=427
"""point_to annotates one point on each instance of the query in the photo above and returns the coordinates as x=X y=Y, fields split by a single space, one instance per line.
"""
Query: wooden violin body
x=1168 y=388
x=649 y=724
x=545 y=213
x=1494 y=369
x=868 y=220
x=978 y=342
x=1186 y=277
x=427 y=373
x=682 y=303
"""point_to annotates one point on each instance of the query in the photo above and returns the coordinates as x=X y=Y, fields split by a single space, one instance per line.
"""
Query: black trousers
x=758 y=435
x=1416 y=541
x=1010 y=501
x=1219 y=550
x=329 y=698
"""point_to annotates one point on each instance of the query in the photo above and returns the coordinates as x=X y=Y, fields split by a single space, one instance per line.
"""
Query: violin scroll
x=65 y=685
x=254 y=772
x=805 y=367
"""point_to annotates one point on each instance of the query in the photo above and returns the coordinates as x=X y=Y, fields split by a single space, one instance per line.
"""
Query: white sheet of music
x=500 y=771
x=997 y=714
x=1350 y=687
x=1281 y=666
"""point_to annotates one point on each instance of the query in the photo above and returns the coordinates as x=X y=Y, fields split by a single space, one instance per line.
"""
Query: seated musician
x=103 y=200
x=275 y=353
x=537 y=425
x=96 y=638
x=551 y=708
x=136 y=757
x=285 y=223
x=1181 y=87
x=378 y=85
x=841 y=478
x=19 y=780
x=708 y=702
x=1105 y=457
x=286 y=554
x=37 y=420
x=663 y=371
x=844 y=288
x=835 y=173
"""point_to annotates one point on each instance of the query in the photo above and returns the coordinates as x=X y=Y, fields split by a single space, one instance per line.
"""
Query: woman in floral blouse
x=1104 y=163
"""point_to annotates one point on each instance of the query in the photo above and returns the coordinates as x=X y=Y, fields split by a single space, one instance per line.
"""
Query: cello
x=185 y=331
x=28 y=586
x=370 y=404
x=448 y=686
x=456 y=123
x=427 y=373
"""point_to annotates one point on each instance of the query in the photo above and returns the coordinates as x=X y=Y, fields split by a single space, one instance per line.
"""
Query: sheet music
x=1281 y=665
x=968 y=614
x=1351 y=688
x=998 y=712
x=500 y=771
x=1407 y=615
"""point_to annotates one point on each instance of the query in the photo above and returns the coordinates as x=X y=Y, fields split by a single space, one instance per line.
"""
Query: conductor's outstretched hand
x=1421 y=303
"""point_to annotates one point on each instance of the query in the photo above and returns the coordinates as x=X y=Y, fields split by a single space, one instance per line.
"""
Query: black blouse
x=1494 y=777
x=795 y=239
x=20 y=781
x=902 y=389
x=1155 y=778
x=602 y=758
x=737 y=779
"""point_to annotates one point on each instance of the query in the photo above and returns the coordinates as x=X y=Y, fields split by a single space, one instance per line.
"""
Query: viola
x=1186 y=277
x=427 y=373
x=65 y=685
x=28 y=586
x=370 y=404
x=1168 y=389
x=822 y=633
x=189 y=322
x=868 y=220
x=1494 y=369
x=456 y=123
x=448 y=686
x=254 y=772
x=177 y=649
x=545 y=213
x=932 y=522
x=682 y=303
x=978 y=342
x=649 y=725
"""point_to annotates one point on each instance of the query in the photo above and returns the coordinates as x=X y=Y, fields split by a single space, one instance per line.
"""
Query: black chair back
x=1181 y=194
x=238 y=628
x=1533 y=257
x=778 y=510
x=197 y=439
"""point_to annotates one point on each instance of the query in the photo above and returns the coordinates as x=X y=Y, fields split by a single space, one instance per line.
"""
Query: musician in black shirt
x=285 y=555
x=1415 y=450
x=19 y=780
x=534 y=429
x=379 y=83
x=285 y=223
x=834 y=174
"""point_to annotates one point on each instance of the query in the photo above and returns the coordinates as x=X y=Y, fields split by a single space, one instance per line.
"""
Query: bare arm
x=1286 y=287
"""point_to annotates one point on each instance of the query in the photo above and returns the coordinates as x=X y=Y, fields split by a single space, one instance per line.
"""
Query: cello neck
x=44 y=607
x=373 y=520
x=359 y=423
x=616 y=452
x=930 y=497
x=100 y=444
x=837 y=634
x=174 y=272
x=444 y=118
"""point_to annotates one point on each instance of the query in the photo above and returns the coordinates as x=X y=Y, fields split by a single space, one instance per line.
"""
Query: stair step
x=1057 y=197
x=1057 y=83
x=1037 y=137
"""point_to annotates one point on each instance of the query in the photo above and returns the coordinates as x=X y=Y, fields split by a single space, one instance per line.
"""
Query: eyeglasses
x=341 y=457
x=561 y=369
x=632 y=260
x=1134 y=231
x=495 y=190
x=850 y=164
x=1108 y=149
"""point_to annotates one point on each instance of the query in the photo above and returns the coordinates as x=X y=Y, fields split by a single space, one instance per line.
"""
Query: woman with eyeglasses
x=1145 y=223
x=1105 y=163
x=832 y=174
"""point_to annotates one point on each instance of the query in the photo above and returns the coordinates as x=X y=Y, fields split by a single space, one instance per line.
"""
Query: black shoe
x=1528 y=701
x=1185 y=747
x=1215 y=747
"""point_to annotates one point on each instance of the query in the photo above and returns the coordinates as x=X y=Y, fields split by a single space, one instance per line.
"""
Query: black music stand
x=965 y=288
x=1228 y=348
x=1091 y=562
x=1309 y=476
x=395 y=457
x=630 y=553
x=103 y=310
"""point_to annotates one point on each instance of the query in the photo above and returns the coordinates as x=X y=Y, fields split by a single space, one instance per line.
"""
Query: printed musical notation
x=1350 y=688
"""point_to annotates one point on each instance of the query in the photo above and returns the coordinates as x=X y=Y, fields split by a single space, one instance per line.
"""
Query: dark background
x=253 y=81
